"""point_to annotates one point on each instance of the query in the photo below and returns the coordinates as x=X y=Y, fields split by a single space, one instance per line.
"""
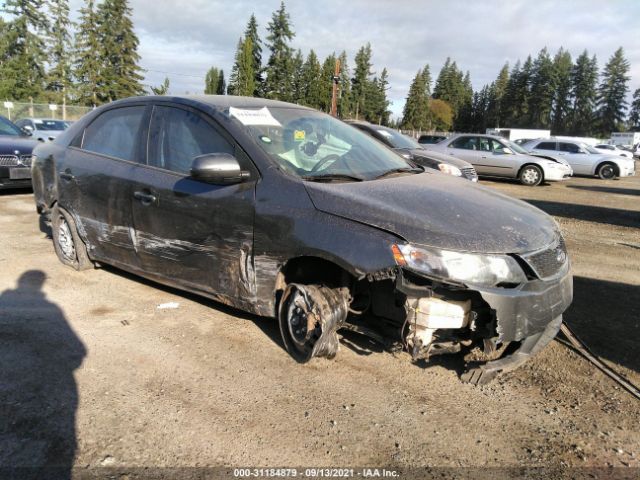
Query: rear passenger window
x=546 y=146
x=569 y=147
x=466 y=143
x=177 y=136
x=114 y=133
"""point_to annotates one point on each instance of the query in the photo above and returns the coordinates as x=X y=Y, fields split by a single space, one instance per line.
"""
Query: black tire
x=531 y=175
x=607 y=171
x=320 y=304
x=68 y=245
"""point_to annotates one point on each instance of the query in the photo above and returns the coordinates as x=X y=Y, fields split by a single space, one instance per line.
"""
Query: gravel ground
x=94 y=375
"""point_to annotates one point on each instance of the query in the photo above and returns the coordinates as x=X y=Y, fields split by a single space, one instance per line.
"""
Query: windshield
x=50 y=125
x=8 y=128
x=589 y=148
x=397 y=139
x=312 y=145
x=516 y=148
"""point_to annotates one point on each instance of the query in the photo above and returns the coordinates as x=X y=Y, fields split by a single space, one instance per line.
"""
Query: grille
x=549 y=262
x=14 y=160
x=469 y=173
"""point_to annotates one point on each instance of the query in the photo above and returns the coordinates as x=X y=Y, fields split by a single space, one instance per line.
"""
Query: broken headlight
x=485 y=270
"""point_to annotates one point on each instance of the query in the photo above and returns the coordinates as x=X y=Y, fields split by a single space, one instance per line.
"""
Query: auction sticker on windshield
x=260 y=116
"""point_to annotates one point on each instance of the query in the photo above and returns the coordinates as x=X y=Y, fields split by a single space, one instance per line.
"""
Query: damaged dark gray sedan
x=286 y=212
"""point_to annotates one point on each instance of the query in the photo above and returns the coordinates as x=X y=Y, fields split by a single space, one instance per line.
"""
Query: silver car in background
x=584 y=159
x=43 y=129
x=494 y=156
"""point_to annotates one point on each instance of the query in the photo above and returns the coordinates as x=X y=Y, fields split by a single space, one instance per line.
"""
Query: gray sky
x=186 y=38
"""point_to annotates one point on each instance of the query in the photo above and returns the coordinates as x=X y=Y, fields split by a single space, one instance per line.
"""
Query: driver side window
x=497 y=147
x=177 y=136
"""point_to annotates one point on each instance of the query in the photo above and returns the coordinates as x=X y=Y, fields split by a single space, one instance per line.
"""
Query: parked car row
x=17 y=141
x=286 y=212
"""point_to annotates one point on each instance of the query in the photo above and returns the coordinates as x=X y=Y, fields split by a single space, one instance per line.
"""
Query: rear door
x=467 y=148
x=94 y=181
x=192 y=233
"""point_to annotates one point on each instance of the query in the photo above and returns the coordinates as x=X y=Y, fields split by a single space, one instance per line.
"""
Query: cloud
x=186 y=38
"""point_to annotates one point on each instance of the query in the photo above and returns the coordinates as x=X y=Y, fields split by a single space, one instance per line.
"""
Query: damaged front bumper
x=525 y=319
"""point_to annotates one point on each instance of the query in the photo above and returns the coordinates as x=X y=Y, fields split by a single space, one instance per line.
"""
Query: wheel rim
x=297 y=319
x=607 y=171
x=65 y=240
x=531 y=176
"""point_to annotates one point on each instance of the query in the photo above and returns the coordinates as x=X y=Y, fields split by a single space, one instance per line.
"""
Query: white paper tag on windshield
x=261 y=116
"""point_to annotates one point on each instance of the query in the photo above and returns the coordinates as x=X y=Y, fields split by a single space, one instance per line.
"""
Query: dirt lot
x=93 y=374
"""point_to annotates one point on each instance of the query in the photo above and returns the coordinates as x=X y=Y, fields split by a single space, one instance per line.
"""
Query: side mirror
x=507 y=151
x=218 y=168
x=28 y=130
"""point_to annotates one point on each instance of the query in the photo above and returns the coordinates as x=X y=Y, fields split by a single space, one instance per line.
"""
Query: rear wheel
x=69 y=248
x=531 y=175
x=607 y=171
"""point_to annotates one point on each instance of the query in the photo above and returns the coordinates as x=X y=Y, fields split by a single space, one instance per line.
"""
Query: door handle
x=145 y=198
x=67 y=176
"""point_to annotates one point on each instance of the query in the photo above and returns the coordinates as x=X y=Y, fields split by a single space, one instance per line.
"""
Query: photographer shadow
x=39 y=353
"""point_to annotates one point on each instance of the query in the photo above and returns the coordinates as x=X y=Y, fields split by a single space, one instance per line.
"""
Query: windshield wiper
x=400 y=170
x=330 y=177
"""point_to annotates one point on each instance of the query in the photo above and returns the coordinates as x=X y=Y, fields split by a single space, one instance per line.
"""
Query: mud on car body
x=283 y=211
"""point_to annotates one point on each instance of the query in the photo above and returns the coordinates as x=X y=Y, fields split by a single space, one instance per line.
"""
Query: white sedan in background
x=584 y=159
x=613 y=150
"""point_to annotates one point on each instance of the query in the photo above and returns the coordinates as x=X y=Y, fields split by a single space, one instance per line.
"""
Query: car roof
x=219 y=102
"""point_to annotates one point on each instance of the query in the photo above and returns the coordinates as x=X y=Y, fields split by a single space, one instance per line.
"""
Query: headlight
x=485 y=270
x=450 y=169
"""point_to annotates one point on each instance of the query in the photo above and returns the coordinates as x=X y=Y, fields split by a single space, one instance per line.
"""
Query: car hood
x=441 y=157
x=438 y=210
x=10 y=143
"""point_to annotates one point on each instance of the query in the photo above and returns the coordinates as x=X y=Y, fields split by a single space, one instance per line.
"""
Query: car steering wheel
x=325 y=160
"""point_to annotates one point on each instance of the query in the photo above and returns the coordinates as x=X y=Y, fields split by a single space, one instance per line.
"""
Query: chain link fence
x=17 y=110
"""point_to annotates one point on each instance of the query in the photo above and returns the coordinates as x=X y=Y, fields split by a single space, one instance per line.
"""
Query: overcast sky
x=185 y=38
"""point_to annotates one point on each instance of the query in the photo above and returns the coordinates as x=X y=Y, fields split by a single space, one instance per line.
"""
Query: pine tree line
x=289 y=76
x=548 y=92
x=41 y=58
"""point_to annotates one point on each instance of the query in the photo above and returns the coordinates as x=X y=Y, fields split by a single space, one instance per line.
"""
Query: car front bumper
x=557 y=174
x=15 y=177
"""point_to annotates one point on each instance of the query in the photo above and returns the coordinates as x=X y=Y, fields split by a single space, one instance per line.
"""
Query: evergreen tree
x=450 y=85
x=562 y=65
x=256 y=53
x=326 y=81
x=381 y=107
x=120 y=74
x=361 y=85
x=211 y=81
x=312 y=81
x=297 y=81
x=221 y=86
x=162 y=89
x=416 y=115
x=634 y=114
x=612 y=103
x=87 y=65
x=584 y=78
x=59 y=75
x=543 y=85
x=497 y=92
x=518 y=94
x=463 y=122
x=279 y=70
x=22 y=74
x=242 y=80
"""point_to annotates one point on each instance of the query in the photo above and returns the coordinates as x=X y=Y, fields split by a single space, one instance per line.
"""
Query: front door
x=579 y=159
x=189 y=232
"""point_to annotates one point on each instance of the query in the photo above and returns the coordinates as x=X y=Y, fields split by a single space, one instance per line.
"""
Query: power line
x=201 y=77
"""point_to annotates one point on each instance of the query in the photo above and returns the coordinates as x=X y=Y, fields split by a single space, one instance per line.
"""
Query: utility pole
x=334 y=92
